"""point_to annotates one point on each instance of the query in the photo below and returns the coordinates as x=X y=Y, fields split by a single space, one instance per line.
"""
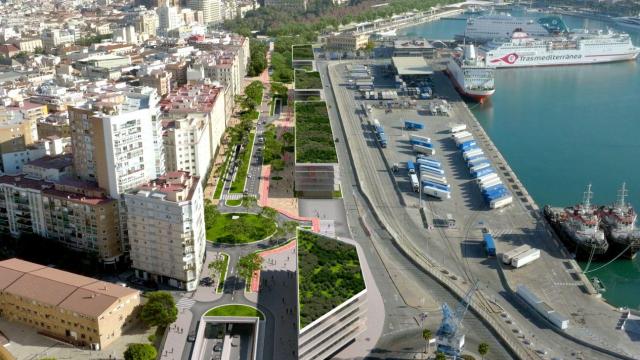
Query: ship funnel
x=469 y=52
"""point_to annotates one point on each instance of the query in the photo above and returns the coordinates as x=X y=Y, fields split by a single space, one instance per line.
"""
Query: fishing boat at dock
x=619 y=225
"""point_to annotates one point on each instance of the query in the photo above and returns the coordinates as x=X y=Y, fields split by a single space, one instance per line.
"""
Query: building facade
x=76 y=309
x=347 y=42
x=117 y=140
x=77 y=214
x=187 y=144
x=167 y=231
x=212 y=10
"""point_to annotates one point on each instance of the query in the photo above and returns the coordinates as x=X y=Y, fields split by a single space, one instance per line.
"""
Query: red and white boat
x=471 y=75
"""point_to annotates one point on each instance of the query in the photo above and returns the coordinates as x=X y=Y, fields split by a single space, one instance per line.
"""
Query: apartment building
x=203 y=99
x=146 y=23
x=187 y=144
x=73 y=308
x=116 y=137
x=75 y=213
x=168 y=18
x=157 y=79
x=167 y=231
x=27 y=44
x=212 y=10
x=52 y=38
x=220 y=66
x=18 y=132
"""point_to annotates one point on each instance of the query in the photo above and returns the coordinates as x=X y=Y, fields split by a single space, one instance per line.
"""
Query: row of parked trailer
x=520 y=256
x=432 y=180
x=493 y=190
x=557 y=319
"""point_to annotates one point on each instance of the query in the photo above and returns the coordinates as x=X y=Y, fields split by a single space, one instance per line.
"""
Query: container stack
x=432 y=178
x=422 y=144
x=380 y=135
x=493 y=190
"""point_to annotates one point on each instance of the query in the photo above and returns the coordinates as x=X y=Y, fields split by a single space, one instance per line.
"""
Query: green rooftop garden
x=329 y=272
x=302 y=52
x=237 y=228
x=235 y=310
x=314 y=139
x=307 y=80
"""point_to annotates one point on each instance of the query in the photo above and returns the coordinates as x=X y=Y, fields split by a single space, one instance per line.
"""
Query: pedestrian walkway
x=284 y=255
x=177 y=336
x=185 y=303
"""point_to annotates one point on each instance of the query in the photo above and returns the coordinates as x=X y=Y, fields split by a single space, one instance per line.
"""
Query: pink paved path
x=255 y=278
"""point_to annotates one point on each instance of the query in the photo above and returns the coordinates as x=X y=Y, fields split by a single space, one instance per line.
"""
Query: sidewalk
x=271 y=258
x=177 y=336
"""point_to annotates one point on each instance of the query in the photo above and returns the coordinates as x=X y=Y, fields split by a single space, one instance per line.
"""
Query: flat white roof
x=409 y=65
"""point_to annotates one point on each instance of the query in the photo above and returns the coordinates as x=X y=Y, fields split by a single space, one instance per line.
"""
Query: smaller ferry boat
x=470 y=74
x=579 y=227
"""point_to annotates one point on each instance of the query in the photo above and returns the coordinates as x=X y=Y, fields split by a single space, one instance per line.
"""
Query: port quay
x=454 y=255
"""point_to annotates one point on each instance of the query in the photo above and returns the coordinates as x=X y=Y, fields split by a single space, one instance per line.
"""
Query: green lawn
x=246 y=228
x=329 y=272
x=235 y=310
x=307 y=80
x=302 y=52
x=223 y=276
x=223 y=174
x=233 y=202
x=237 y=186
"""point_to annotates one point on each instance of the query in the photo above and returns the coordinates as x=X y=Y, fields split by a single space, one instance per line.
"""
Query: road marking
x=185 y=303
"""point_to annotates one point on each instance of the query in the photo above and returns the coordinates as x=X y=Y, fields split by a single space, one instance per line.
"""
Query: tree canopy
x=160 y=309
x=140 y=352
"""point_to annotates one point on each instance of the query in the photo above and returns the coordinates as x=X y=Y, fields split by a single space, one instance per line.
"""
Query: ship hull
x=616 y=247
x=595 y=59
x=581 y=250
x=473 y=95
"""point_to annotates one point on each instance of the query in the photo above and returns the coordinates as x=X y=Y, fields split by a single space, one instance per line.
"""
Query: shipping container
x=490 y=183
x=488 y=177
x=414 y=182
x=558 y=320
x=506 y=257
x=478 y=167
x=431 y=171
x=477 y=161
x=467 y=144
x=482 y=172
x=424 y=150
x=526 y=257
x=429 y=162
x=460 y=134
x=462 y=139
x=421 y=143
x=501 y=202
x=419 y=138
x=382 y=137
x=410 y=125
x=436 y=185
x=489 y=244
x=470 y=153
x=527 y=295
x=411 y=167
x=475 y=158
x=424 y=175
x=454 y=128
x=431 y=168
x=435 y=192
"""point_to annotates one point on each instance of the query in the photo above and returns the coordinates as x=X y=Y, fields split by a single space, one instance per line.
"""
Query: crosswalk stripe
x=185 y=303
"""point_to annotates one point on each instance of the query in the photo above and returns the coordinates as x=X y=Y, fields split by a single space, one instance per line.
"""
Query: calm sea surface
x=562 y=128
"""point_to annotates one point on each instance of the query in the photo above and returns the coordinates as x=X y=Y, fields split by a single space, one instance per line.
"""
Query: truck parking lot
x=459 y=245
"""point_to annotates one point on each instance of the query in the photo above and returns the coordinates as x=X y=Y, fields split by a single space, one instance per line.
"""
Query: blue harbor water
x=561 y=128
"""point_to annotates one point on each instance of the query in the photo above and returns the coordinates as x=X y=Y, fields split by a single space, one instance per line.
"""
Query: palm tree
x=426 y=335
x=483 y=349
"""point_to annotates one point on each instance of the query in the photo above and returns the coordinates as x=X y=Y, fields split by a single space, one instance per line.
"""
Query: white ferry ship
x=501 y=26
x=471 y=75
x=629 y=22
x=574 y=49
